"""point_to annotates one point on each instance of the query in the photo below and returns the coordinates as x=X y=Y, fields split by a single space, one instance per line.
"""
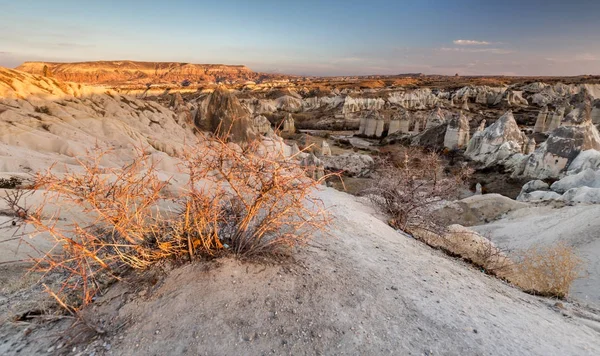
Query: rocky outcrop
x=262 y=126
x=325 y=149
x=44 y=121
x=580 y=188
x=415 y=99
x=484 y=95
x=228 y=118
x=540 y=122
x=351 y=164
x=372 y=124
x=514 y=98
x=289 y=125
x=497 y=142
x=564 y=144
x=111 y=72
x=555 y=120
x=435 y=118
x=352 y=105
x=457 y=132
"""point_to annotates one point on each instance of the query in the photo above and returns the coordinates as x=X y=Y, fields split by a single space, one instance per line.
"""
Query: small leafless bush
x=43 y=110
x=10 y=183
x=409 y=190
x=239 y=201
x=547 y=270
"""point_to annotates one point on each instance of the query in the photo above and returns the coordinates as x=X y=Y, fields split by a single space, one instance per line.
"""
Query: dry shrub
x=245 y=202
x=410 y=190
x=467 y=244
x=547 y=270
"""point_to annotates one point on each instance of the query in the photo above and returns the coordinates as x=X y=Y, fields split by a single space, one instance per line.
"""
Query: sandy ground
x=579 y=226
x=366 y=289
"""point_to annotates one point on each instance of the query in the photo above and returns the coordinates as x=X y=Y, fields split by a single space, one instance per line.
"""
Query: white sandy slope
x=578 y=226
x=365 y=290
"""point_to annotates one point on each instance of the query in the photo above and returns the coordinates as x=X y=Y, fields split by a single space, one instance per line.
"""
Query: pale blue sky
x=313 y=37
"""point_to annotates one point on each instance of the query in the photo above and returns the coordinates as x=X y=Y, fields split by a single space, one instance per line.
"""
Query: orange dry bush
x=245 y=201
x=547 y=270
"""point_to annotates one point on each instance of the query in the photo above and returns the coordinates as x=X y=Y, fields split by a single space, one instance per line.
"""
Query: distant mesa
x=125 y=72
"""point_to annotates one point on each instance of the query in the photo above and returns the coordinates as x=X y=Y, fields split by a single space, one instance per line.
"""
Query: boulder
x=582 y=195
x=262 y=126
x=497 y=142
x=351 y=164
x=477 y=209
x=587 y=178
x=584 y=160
x=435 y=118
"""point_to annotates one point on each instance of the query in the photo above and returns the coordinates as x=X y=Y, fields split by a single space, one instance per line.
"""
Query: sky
x=306 y=37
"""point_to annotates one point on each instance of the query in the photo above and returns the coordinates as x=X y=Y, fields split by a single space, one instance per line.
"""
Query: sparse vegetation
x=240 y=202
x=10 y=183
x=409 y=190
x=547 y=270
x=43 y=110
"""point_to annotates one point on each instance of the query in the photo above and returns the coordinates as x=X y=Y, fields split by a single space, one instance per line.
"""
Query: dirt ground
x=365 y=289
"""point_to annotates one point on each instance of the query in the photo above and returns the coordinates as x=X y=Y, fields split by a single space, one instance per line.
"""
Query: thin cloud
x=471 y=43
x=476 y=50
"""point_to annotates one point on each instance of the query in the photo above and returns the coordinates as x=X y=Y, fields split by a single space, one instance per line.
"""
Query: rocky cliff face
x=110 y=72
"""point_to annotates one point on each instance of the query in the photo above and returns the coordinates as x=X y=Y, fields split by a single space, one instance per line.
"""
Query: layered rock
x=107 y=72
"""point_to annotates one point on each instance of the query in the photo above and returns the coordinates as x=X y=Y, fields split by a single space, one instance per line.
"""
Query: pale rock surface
x=553 y=157
x=514 y=98
x=584 y=160
x=435 y=118
x=289 y=125
x=351 y=164
x=422 y=98
x=540 y=123
x=325 y=149
x=457 y=132
x=587 y=178
x=352 y=105
x=262 y=126
x=497 y=142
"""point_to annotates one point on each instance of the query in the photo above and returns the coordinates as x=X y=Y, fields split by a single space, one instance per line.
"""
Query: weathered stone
x=497 y=142
x=457 y=132
x=540 y=123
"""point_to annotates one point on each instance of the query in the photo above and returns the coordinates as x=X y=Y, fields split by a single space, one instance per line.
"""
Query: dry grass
x=547 y=270
x=237 y=201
